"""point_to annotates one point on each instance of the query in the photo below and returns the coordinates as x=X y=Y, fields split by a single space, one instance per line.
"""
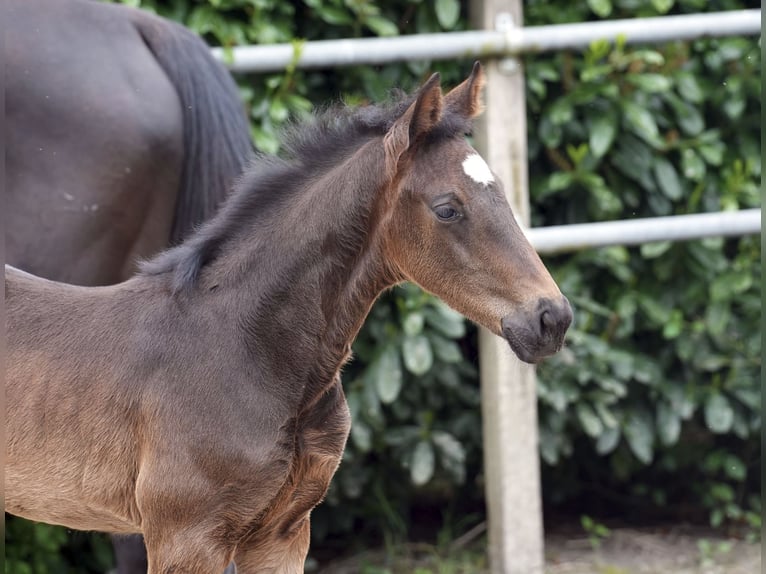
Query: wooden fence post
x=509 y=400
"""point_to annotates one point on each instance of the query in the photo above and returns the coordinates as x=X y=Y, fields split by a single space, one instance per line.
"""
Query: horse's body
x=199 y=403
x=122 y=134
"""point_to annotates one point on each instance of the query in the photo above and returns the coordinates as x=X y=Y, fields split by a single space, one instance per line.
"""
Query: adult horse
x=122 y=134
x=200 y=402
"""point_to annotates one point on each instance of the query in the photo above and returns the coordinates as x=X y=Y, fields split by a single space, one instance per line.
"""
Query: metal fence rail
x=513 y=41
x=573 y=237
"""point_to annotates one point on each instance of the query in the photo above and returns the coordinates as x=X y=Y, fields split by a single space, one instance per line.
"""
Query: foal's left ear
x=465 y=99
x=415 y=123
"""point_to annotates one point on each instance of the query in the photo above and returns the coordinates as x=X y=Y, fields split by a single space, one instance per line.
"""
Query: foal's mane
x=309 y=148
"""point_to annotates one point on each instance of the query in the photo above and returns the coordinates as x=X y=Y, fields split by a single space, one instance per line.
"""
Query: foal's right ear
x=465 y=99
x=415 y=123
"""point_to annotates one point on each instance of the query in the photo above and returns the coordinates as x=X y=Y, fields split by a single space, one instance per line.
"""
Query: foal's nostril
x=554 y=318
x=547 y=322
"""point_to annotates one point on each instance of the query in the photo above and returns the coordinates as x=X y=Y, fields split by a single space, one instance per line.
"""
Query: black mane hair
x=309 y=148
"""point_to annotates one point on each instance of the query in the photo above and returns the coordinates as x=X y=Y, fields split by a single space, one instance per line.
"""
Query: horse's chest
x=320 y=438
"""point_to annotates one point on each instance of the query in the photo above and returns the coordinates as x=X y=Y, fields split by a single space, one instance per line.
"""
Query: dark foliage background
x=652 y=411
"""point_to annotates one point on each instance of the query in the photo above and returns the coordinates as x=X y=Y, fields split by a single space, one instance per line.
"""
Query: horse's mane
x=309 y=148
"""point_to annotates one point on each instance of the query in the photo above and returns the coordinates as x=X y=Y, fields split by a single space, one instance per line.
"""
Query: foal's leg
x=275 y=553
x=185 y=552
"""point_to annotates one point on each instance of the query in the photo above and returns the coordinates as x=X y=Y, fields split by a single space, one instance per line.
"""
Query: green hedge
x=653 y=407
x=661 y=370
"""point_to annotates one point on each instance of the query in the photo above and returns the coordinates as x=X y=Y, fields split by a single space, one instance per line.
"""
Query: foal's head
x=451 y=231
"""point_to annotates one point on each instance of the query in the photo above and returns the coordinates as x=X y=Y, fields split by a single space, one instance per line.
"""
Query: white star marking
x=477 y=169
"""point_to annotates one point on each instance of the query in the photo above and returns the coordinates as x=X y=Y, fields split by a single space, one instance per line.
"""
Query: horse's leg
x=189 y=551
x=129 y=554
x=275 y=553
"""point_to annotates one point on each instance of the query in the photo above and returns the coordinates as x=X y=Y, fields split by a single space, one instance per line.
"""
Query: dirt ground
x=680 y=550
x=673 y=550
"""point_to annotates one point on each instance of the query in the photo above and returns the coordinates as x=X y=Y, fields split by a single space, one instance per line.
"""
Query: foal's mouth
x=539 y=334
x=520 y=349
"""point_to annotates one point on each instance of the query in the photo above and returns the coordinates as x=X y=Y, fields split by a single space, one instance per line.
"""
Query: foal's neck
x=308 y=273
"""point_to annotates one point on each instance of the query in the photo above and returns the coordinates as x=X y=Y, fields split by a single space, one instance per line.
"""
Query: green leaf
x=560 y=180
x=607 y=441
x=650 y=83
x=655 y=249
x=278 y=111
x=422 y=463
x=633 y=158
x=730 y=284
x=549 y=446
x=451 y=453
x=717 y=317
x=334 y=15
x=595 y=73
x=445 y=349
x=417 y=353
x=655 y=311
x=448 y=322
x=265 y=140
x=560 y=112
x=719 y=415
x=387 y=373
x=713 y=152
x=734 y=468
x=639 y=432
x=413 y=323
x=679 y=400
x=667 y=179
x=734 y=106
x=689 y=88
x=577 y=153
x=692 y=165
x=651 y=57
x=668 y=424
x=447 y=12
x=601 y=8
x=663 y=6
x=640 y=121
x=381 y=26
x=590 y=422
x=361 y=436
x=673 y=327
x=603 y=128
x=550 y=134
x=690 y=119
x=609 y=420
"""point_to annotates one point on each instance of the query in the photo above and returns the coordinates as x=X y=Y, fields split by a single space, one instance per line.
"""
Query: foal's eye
x=446 y=212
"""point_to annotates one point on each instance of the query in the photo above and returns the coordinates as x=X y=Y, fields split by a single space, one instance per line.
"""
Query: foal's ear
x=427 y=109
x=415 y=123
x=465 y=99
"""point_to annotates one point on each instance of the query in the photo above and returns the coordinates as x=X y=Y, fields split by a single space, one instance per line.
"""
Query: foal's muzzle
x=537 y=333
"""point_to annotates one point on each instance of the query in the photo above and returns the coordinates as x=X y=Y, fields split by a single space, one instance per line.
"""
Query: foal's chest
x=320 y=438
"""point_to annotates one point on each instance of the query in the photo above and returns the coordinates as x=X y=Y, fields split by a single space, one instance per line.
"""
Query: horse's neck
x=309 y=279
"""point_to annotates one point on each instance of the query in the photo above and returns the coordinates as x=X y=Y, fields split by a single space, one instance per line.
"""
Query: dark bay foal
x=199 y=403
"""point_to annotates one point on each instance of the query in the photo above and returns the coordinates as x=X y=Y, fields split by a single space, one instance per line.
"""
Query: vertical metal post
x=509 y=400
